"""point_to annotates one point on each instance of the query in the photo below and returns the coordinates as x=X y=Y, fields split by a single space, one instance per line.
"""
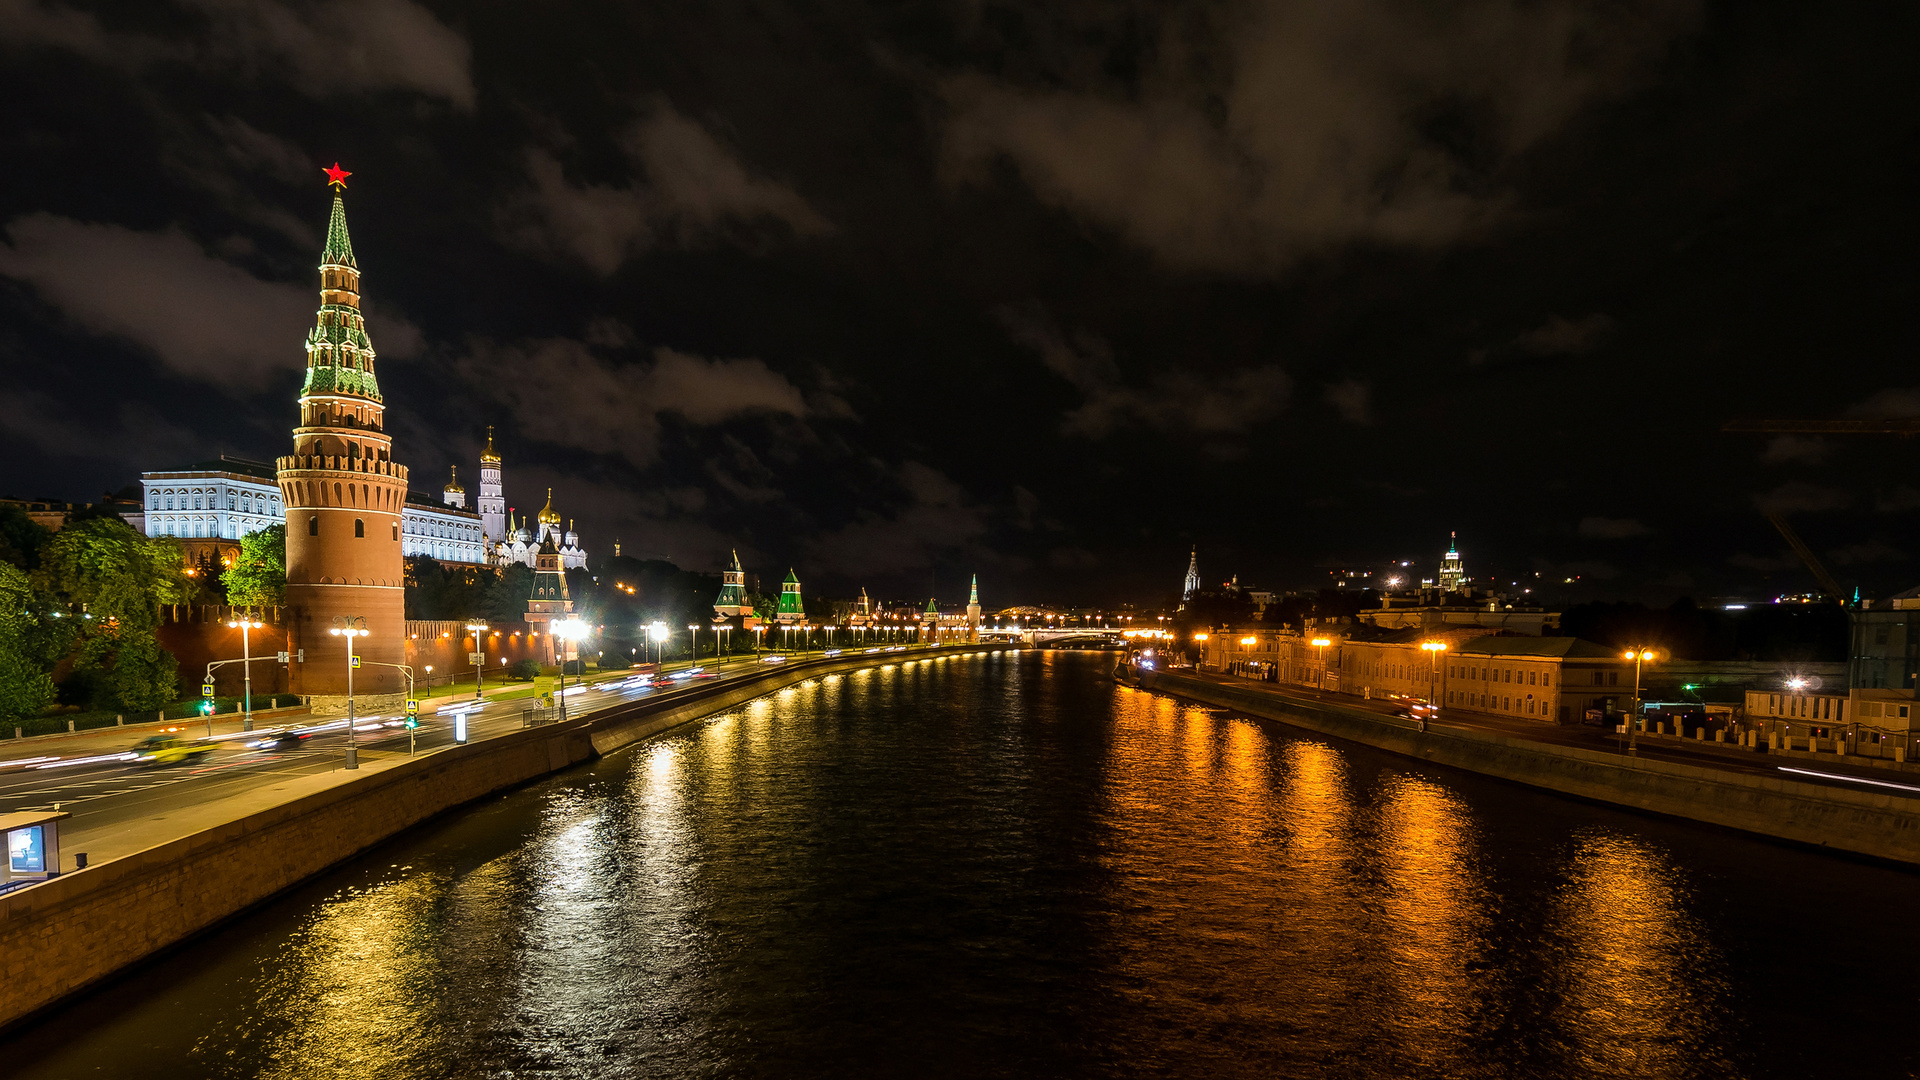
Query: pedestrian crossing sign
x=413 y=706
x=356 y=661
x=206 y=689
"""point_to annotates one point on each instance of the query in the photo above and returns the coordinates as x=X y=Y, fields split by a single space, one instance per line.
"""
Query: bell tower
x=343 y=495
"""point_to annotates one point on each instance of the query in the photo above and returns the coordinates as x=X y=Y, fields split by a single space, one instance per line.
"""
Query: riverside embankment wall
x=1861 y=822
x=67 y=934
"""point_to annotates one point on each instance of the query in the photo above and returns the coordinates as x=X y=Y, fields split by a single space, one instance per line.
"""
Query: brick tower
x=343 y=495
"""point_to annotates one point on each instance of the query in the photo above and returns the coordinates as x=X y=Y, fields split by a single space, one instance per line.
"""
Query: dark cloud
x=928 y=517
x=1253 y=134
x=1353 y=399
x=564 y=393
x=1228 y=403
x=1801 y=497
x=1605 y=528
x=317 y=48
x=1565 y=337
x=695 y=191
x=203 y=317
x=1795 y=448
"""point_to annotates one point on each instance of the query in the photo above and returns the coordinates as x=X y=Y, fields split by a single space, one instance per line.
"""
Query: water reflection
x=1435 y=911
x=1642 y=992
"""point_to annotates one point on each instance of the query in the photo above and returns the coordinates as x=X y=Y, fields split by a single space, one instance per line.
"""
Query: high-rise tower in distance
x=343 y=495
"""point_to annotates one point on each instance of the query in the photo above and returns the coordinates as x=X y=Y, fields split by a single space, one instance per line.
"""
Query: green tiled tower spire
x=339 y=354
x=732 y=600
x=792 y=608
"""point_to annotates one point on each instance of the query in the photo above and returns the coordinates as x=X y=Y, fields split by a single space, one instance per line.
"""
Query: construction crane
x=1903 y=426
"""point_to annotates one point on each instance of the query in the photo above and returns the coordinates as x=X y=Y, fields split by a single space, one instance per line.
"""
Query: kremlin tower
x=343 y=495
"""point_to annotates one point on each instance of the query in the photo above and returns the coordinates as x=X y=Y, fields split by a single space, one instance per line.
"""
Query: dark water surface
x=1005 y=865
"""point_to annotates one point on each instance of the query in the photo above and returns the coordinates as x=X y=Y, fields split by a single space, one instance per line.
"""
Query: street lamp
x=1639 y=655
x=479 y=656
x=1320 y=677
x=567 y=630
x=350 y=627
x=695 y=635
x=1433 y=650
x=657 y=633
x=246 y=666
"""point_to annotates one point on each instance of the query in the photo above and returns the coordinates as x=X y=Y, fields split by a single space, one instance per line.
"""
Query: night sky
x=895 y=293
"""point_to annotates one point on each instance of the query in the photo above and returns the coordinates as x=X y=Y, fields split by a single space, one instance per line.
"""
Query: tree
x=258 y=576
x=21 y=538
x=28 y=648
x=113 y=581
x=506 y=598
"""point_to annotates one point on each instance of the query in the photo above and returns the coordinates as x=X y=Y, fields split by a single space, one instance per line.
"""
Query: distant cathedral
x=507 y=541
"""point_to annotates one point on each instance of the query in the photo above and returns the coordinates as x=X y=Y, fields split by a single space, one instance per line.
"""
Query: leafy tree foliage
x=506 y=597
x=21 y=538
x=258 y=576
x=436 y=591
x=30 y=643
x=112 y=580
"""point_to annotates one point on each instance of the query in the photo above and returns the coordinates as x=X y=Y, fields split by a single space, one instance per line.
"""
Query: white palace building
x=211 y=505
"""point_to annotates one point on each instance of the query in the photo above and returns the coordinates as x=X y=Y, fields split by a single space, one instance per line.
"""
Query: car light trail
x=1850 y=779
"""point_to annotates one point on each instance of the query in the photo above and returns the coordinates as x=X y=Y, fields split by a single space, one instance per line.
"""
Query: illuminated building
x=1453 y=573
x=792 y=609
x=1191 y=587
x=549 y=603
x=344 y=498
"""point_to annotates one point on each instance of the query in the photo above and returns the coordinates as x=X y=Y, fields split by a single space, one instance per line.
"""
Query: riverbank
x=1881 y=824
x=65 y=935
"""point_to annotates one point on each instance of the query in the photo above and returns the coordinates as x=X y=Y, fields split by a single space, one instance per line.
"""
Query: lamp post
x=1320 y=677
x=1639 y=656
x=1433 y=650
x=479 y=655
x=694 y=634
x=657 y=633
x=567 y=630
x=246 y=667
x=350 y=627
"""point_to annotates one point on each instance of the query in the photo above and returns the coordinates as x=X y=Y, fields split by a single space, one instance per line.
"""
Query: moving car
x=169 y=749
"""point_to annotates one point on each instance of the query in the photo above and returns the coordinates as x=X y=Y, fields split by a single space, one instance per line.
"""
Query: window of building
x=1599 y=678
x=1546 y=678
x=313 y=525
x=1613 y=678
x=396 y=531
x=169 y=502
x=359 y=528
x=231 y=501
x=1533 y=678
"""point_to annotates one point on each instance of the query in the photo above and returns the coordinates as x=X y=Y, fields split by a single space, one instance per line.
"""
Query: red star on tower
x=337 y=176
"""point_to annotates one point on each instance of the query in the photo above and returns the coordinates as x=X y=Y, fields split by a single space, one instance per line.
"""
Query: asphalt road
x=106 y=788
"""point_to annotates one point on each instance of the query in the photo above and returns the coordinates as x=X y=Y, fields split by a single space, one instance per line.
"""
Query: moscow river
x=1004 y=865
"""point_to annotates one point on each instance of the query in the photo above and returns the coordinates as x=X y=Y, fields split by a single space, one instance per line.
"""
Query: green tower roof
x=791 y=578
x=339 y=249
x=933 y=606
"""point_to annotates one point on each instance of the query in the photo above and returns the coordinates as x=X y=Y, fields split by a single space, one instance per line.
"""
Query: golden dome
x=454 y=483
x=489 y=456
x=549 y=516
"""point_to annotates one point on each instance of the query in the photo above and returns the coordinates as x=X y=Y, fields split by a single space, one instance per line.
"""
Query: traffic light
x=413 y=723
x=206 y=707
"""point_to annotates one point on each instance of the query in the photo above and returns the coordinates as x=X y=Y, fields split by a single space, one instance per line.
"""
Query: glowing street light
x=1433 y=649
x=567 y=630
x=1320 y=677
x=1640 y=655
x=350 y=627
x=479 y=656
x=246 y=667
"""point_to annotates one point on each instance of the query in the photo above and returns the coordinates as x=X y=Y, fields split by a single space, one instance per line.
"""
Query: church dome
x=489 y=456
x=454 y=483
x=549 y=516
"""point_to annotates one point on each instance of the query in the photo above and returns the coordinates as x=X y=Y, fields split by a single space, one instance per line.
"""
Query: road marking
x=1850 y=779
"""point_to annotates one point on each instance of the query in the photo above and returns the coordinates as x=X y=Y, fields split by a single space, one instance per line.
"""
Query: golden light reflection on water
x=1434 y=914
x=1641 y=991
